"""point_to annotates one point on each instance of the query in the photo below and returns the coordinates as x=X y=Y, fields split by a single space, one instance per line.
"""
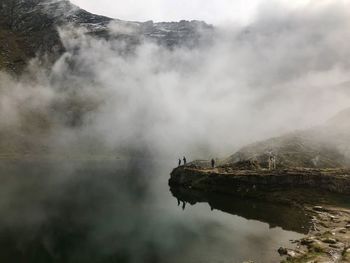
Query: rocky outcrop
x=252 y=182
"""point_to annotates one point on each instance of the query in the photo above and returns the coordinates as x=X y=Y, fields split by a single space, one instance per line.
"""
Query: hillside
x=325 y=146
x=30 y=27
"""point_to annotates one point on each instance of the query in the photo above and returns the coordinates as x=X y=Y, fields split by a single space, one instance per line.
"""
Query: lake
x=123 y=211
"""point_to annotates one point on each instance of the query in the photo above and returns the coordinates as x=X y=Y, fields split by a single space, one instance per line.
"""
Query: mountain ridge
x=31 y=26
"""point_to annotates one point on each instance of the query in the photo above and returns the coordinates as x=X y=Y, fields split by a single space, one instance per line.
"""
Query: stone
x=329 y=241
x=282 y=251
x=343 y=231
x=334 y=246
x=291 y=254
x=306 y=241
x=319 y=208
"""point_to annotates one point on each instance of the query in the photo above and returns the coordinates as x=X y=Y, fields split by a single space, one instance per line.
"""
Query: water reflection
x=286 y=217
x=122 y=211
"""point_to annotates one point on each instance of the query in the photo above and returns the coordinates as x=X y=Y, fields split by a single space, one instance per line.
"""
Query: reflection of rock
x=286 y=217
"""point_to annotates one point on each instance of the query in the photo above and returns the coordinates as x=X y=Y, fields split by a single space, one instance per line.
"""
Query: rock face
x=29 y=28
x=251 y=182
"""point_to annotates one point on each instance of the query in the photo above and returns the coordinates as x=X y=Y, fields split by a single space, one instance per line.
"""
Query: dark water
x=123 y=211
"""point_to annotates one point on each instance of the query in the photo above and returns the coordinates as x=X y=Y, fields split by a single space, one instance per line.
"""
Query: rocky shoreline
x=327 y=240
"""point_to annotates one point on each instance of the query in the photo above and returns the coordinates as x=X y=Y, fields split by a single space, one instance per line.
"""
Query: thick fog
x=287 y=70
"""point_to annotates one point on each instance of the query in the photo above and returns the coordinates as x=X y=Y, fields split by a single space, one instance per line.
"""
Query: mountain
x=325 y=146
x=30 y=27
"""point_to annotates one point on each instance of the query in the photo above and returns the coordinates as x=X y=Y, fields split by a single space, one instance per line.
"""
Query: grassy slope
x=326 y=146
x=300 y=149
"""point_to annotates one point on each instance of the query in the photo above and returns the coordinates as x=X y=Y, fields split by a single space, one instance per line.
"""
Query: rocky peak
x=31 y=28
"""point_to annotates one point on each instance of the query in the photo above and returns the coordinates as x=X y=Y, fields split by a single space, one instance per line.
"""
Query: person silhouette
x=185 y=161
x=274 y=162
x=212 y=163
x=179 y=162
x=270 y=162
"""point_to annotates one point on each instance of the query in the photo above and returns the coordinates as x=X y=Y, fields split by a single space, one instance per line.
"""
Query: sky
x=211 y=11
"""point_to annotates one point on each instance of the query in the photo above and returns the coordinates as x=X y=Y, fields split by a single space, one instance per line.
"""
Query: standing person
x=270 y=162
x=185 y=161
x=179 y=162
x=274 y=162
x=212 y=163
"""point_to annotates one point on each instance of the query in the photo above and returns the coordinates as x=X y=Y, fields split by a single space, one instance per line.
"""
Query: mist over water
x=102 y=99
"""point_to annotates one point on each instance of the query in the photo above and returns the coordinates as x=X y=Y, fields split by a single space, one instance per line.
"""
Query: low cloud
x=249 y=84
